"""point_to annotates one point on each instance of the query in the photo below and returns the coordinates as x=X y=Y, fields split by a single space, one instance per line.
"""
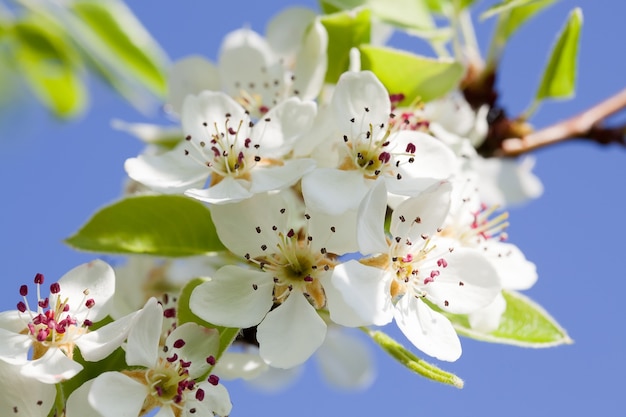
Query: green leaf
x=412 y=362
x=506 y=5
x=407 y=14
x=161 y=225
x=524 y=323
x=48 y=63
x=345 y=31
x=559 y=76
x=115 y=37
x=509 y=23
x=443 y=6
x=412 y=75
x=185 y=315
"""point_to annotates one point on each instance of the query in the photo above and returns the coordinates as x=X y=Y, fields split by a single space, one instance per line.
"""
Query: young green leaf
x=406 y=14
x=185 y=315
x=506 y=5
x=48 y=63
x=559 y=76
x=161 y=225
x=345 y=31
x=524 y=323
x=412 y=362
x=509 y=23
x=415 y=76
x=119 y=48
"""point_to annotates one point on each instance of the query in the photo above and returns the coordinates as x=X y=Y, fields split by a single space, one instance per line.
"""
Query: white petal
x=279 y=128
x=337 y=234
x=515 y=272
x=14 y=347
x=114 y=394
x=278 y=177
x=230 y=298
x=311 y=62
x=229 y=190
x=98 y=278
x=371 y=218
x=429 y=331
x=333 y=191
x=98 y=344
x=346 y=361
x=468 y=283
x=78 y=402
x=202 y=112
x=355 y=92
x=143 y=339
x=190 y=75
x=433 y=161
x=14 y=321
x=243 y=56
x=421 y=215
x=291 y=333
x=237 y=223
x=199 y=343
x=52 y=367
x=487 y=319
x=285 y=30
x=233 y=365
x=216 y=400
x=170 y=172
x=29 y=397
x=358 y=295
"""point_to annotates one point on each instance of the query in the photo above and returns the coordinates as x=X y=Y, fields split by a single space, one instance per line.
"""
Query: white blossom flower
x=292 y=282
x=225 y=147
x=421 y=269
x=52 y=331
x=22 y=396
x=164 y=376
x=368 y=147
x=259 y=73
x=474 y=224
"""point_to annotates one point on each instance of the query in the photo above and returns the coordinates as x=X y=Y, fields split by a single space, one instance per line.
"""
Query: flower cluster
x=336 y=207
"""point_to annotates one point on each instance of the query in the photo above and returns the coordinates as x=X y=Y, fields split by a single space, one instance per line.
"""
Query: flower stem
x=587 y=124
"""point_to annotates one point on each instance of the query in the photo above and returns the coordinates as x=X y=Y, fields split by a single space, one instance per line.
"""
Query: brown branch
x=587 y=124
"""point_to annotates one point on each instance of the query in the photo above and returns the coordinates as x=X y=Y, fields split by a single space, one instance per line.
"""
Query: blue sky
x=56 y=175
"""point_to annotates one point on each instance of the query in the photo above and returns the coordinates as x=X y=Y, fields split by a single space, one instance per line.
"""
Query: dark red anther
x=211 y=360
x=88 y=323
x=184 y=364
x=179 y=343
x=173 y=358
x=213 y=380
x=90 y=303
x=232 y=131
x=39 y=279
x=44 y=303
x=24 y=290
x=290 y=233
x=21 y=307
x=410 y=148
x=384 y=157
x=200 y=394
x=246 y=142
x=169 y=313
x=55 y=288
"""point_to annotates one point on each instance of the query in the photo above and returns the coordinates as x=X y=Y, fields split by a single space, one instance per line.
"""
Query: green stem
x=412 y=362
x=59 y=401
